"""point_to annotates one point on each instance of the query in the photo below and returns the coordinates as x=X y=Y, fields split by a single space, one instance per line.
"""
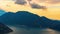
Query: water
x=20 y=30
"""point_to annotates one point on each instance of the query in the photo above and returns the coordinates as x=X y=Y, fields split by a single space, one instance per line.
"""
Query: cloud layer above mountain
x=32 y=5
x=48 y=1
x=36 y=6
x=22 y=2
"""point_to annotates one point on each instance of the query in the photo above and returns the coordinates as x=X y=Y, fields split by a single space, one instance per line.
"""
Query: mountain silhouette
x=29 y=19
x=4 y=29
x=21 y=18
x=2 y=12
x=50 y=23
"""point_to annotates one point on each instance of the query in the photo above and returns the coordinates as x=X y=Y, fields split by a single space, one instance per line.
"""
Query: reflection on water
x=19 y=30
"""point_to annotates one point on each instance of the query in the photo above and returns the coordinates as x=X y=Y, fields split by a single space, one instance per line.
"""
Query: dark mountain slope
x=28 y=19
x=4 y=29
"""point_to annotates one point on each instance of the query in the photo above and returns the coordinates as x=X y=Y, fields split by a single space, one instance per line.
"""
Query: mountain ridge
x=30 y=20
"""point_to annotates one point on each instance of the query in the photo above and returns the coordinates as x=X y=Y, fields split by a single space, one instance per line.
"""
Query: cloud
x=29 y=0
x=36 y=6
x=20 y=30
x=32 y=5
x=22 y=2
x=55 y=1
x=51 y=1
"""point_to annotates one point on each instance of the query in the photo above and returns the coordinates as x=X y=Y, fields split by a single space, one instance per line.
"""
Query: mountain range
x=28 y=19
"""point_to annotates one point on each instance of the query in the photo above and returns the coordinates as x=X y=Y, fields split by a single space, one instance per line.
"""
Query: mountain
x=4 y=29
x=50 y=23
x=20 y=18
x=28 y=19
x=2 y=12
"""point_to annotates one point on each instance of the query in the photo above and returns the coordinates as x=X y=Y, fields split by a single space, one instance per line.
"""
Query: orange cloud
x=50 y=1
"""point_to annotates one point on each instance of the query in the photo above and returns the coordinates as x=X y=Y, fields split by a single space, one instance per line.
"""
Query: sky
x=48 y=8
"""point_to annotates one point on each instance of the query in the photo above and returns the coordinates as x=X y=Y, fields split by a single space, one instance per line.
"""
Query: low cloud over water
x=19 y=30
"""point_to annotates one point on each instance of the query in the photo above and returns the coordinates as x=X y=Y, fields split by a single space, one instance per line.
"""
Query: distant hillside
x=28 y=19
x=4 y=29
x=21 y=18
x=2 y=12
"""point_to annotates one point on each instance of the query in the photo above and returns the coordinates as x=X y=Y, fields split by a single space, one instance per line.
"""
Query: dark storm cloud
x=36 y=6
x=22 y=2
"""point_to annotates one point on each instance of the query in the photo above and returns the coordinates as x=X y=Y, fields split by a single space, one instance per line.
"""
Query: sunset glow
x=52 y=12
